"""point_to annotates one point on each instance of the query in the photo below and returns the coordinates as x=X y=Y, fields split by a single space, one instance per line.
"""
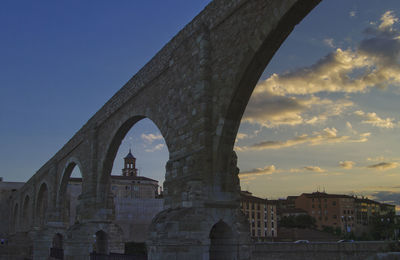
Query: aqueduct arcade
x=195 y=89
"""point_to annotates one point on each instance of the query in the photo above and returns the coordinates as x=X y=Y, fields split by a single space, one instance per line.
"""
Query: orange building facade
x=329 y=210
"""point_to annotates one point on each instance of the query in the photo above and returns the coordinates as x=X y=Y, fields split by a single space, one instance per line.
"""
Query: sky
x=322 y=117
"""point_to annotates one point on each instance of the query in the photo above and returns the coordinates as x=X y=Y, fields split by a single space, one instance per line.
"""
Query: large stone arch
x=269 y=34
x=111 y=140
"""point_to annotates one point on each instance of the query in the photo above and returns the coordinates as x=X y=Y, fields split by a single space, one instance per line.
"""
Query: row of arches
x=31 y=209
x=23 y=221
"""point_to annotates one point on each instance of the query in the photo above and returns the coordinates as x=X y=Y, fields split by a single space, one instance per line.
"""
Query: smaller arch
x=26 y=213
x=14 y=220
x=57 y=249
x=42 y=202
x=66 y=174
x=101 y=242
x=63 y=200
x=221 y=242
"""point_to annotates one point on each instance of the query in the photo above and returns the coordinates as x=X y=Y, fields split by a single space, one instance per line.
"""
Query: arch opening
x=57 y=249
x=317 y=133
x=26 y=213
x=70 y=190
x=222 y=245
x=42 y=205
x=14 y=223
x=101 y=243
x=133 y=174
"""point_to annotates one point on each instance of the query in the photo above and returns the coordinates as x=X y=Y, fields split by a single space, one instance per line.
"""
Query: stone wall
x=134 y=216
x=317 y=251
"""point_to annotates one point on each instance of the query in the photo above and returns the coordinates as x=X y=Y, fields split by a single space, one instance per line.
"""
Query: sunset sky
x=324 y=115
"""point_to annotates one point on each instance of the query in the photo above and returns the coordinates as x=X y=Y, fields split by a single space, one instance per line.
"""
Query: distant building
x=366 y=210
x=349 y=213
x=6 y=189
x=261 y=214
x=329 y=210
x=136 y=199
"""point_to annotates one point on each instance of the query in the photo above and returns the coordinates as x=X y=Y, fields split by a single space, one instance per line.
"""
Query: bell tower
x=129 y=165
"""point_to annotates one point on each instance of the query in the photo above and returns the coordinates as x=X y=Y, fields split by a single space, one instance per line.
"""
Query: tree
x=300 y=221
x=383 y=226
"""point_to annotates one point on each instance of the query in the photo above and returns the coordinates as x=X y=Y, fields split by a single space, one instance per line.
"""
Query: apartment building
x=262 y=216
x=329 y=210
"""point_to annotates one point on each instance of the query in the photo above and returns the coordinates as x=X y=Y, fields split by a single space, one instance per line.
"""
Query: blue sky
x=62 y=60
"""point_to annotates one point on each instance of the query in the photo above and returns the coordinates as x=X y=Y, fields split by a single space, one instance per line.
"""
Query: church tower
x=129 y=165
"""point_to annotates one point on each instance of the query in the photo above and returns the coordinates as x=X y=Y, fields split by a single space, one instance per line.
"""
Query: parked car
x=301 y=242
x=346 y=241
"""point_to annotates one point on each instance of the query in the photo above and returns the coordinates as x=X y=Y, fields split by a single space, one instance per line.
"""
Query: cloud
x=329 y=42
x=150 y=138
x=269 y=110
x=347 y=164
x=388 y=19
x=240 y=136
x=314 y=169
x=383 y=166
x=158 y=147
x=373 y=63
x=375 y=120
x=267 y=170
x=326 y=136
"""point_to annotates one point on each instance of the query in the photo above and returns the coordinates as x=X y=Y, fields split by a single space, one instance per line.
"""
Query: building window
x=334 y=203
x=272 y=233
x=258 y=215
x=272 y=224
x=258 y=206
x=334 y=216
x=252 y=205
x=313 y=206
x=252 y=214
x=247 y=205
x=258 y=224
x=259 y=233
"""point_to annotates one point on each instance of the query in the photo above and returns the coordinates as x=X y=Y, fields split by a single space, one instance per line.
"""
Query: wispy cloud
x=384 y=166
x=314 y=169
x=158 y=147
x=347 y=164
x=326 y=136
x=150 y=138
x=375 y=120
x=267 y=170
x=329 y=42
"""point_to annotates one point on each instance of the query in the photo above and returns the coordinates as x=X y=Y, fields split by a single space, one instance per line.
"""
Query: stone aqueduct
x=195 y=89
